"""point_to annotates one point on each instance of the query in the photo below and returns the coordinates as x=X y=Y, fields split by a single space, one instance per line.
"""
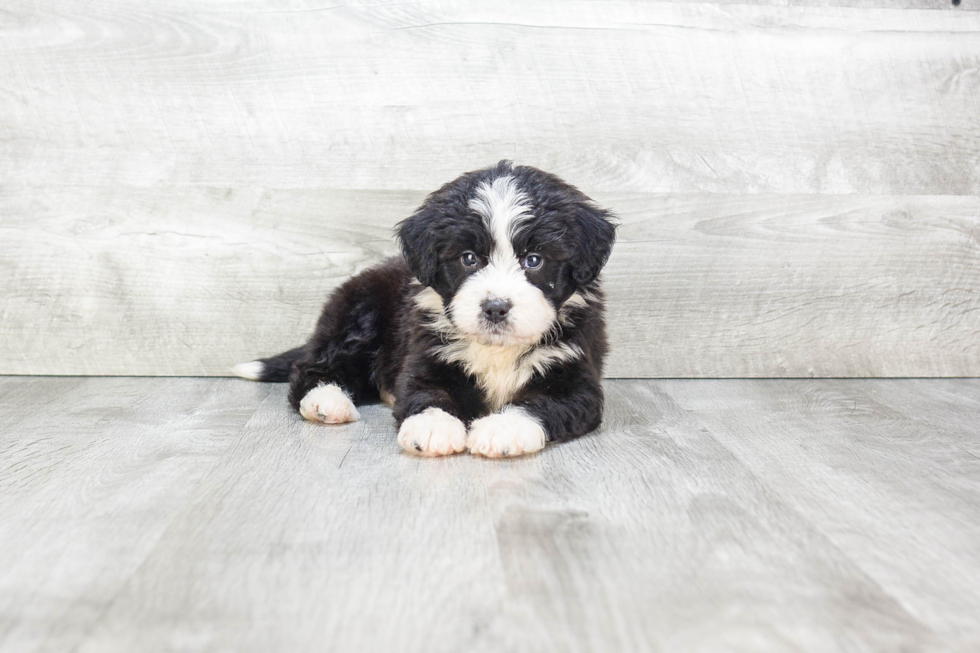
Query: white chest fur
x=501 y=371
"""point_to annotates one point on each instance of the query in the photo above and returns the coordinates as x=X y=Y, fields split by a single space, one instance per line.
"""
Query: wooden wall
x=182 y=182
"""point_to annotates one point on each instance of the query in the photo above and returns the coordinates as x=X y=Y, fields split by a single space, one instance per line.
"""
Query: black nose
x=495 y=310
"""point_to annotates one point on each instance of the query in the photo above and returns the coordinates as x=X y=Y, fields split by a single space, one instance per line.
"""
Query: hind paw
x=328 y=404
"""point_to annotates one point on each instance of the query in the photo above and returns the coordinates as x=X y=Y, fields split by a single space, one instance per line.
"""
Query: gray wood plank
x=938 y=5
x=89 y=484
x=650 y=535
x=699 y=285
x=896 y=494
x=18 y=396
x=642 y=96
x=711 y=286
x=309 y=538
x=146 y=183
x=948 y=407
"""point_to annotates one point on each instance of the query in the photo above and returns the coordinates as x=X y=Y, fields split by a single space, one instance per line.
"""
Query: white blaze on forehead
x=503 y=208
x=502 y=205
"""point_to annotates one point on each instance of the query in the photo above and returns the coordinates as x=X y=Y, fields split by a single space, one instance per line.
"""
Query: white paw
x=328 y=404
x=512 y=432
x=433 y=432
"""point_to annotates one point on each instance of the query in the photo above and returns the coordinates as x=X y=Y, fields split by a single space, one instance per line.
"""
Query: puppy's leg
x=564 y=404
x=333 y=375
x=326 y=383
x=433 y=404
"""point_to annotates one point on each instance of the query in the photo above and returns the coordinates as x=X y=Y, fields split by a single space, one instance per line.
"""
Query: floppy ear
x=597 y=235
x=418 y=245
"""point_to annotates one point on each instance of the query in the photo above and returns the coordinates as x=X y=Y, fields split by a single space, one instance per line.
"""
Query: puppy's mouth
x=499 y=335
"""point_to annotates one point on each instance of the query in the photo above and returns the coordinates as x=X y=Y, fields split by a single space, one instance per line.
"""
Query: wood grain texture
x=631 y=96
x=203 y=515
x=943 y=410
x=184 y=182
x=699 y=285
x=811 y=441
x=91 y=474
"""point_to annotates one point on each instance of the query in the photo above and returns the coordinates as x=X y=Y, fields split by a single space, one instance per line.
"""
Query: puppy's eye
x=533 y=261
x=469 y=260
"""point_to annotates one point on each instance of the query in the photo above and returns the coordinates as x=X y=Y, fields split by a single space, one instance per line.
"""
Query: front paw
x=512 y=432
x=433 y=432
x=328 y=404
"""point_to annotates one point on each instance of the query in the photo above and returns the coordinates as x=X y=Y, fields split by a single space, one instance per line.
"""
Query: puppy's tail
x=270 y=370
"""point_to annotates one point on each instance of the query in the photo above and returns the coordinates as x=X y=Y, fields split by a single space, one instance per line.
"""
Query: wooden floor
x=141 y=514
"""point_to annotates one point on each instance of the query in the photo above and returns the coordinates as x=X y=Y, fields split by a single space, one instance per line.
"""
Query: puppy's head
x=504 y=248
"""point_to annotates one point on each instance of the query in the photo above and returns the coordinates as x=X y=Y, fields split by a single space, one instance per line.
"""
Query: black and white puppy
x=487 y=334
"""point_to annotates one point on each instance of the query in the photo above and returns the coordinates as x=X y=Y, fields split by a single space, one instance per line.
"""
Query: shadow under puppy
x=488 y=334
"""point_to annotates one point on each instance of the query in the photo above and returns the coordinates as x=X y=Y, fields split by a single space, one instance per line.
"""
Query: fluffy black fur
x=372 y=338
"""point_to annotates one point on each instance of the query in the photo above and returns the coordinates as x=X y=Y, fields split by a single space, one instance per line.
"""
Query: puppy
x=487 y=335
